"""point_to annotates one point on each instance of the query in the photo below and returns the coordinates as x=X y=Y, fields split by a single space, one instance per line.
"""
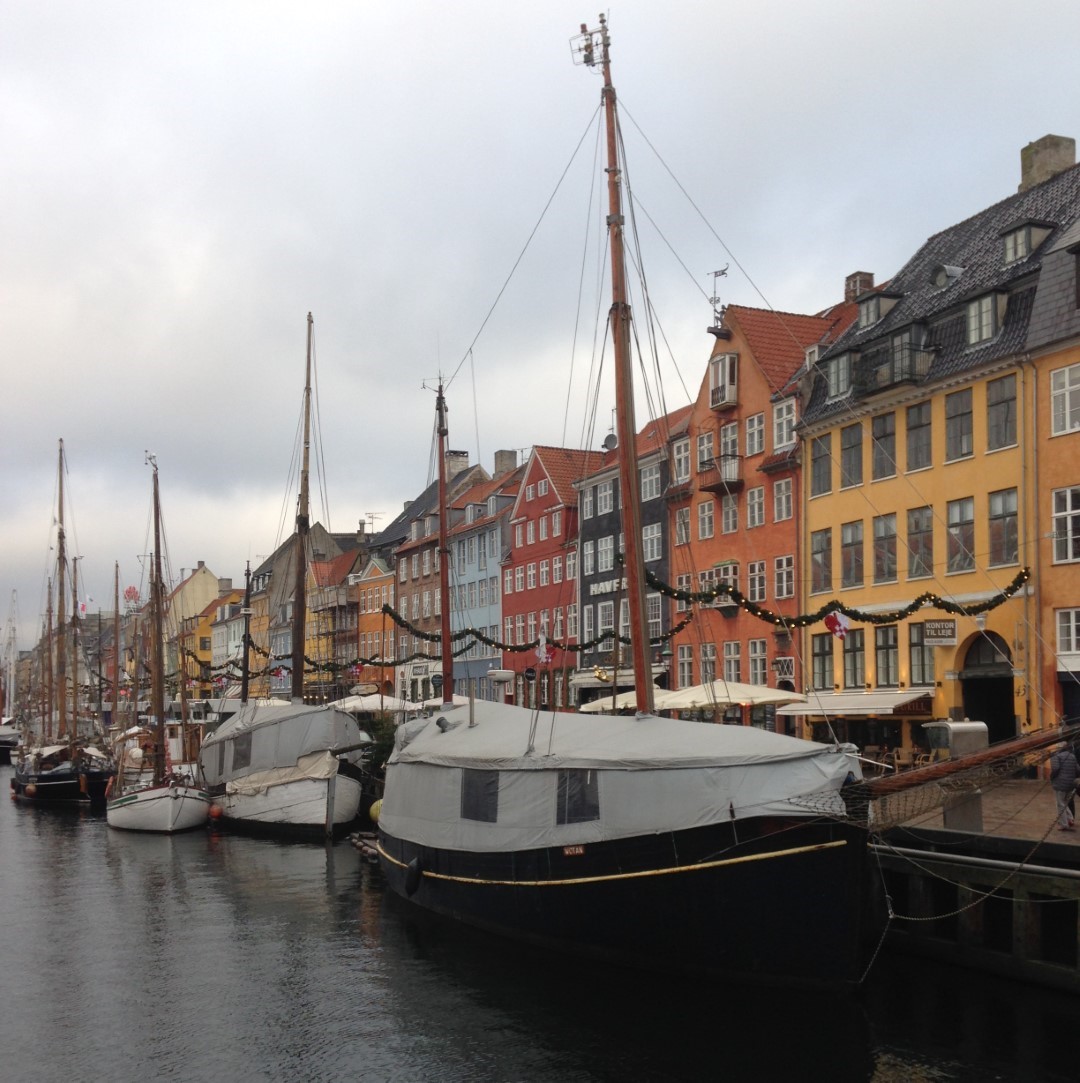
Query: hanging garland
x=892 y=616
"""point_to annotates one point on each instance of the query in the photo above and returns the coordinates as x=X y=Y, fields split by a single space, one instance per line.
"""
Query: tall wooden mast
x=303 y=525
x=444 y=553
x=625 y=426
x=116 y=646
x=61 y=603
x=157 y=635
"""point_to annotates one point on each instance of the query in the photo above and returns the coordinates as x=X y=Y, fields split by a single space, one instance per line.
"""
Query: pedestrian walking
x=1064 y=771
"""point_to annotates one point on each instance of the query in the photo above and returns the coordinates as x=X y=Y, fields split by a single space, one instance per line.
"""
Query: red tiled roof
x=331 y=573
x=564 y=466
x=778 y=340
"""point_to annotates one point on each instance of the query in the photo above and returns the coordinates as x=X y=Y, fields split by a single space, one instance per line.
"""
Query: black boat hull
x=63 y=785
x=770 y=901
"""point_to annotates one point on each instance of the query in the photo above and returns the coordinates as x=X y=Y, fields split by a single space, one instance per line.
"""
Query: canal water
x=215 y=957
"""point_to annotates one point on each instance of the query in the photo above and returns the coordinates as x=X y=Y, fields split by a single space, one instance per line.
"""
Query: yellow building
x=919 y=478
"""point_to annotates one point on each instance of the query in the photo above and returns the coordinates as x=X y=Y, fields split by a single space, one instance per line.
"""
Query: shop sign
x=939 y=633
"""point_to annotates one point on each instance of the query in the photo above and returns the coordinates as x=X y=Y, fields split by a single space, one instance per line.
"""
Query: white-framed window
x=729 y=441
x=685 y=655
x=403 y=569
x=1068 y=631
x=705 y=452
x=784 y=576
x=683 y=583
x=571 y=565
x=783 y=424
x=519 y=628
x=1065 y=400
x=556 y=569
x=416 y=565
x=782 y=500
x=680 y=453
x=755 y=580
x=723 y=378
x=729 y=513
x=651 y=542
x=542 y=487
x=543 y=521
x=755 y=506
x=508 y=581
x=588 y=558
x=530 y=492
x=755 y=434
x=556 y=522
x=587 y=502
x=981 y=319
x=1065 y=504
x=682 y=526
x=650 y=482
x=530 y=575
x=705 y=519
x=1017 y=244
x=605 y=554
x=572 y=621
x=519 y=535
x=708 y=662
x=530 y=532
x=653 y=609
x=605 y=618
x=732 y=660
x=519 y=578
x=545 y=568
x=604 y=498
x=759 y=661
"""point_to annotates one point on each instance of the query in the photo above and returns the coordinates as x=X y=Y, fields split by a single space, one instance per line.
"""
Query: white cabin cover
x=259 y=739
x=654 y=774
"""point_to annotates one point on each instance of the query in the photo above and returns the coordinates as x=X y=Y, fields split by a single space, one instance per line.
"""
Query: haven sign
x=939 y=633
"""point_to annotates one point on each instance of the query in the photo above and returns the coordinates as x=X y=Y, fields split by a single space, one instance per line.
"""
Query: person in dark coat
x=1064 y=771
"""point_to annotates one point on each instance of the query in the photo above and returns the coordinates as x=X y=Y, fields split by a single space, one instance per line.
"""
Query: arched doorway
x=987 y=685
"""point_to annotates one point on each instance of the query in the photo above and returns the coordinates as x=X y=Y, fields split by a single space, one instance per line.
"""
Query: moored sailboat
x=168 y=802
x=60 y=768
x=648 y=841
x=288 y=769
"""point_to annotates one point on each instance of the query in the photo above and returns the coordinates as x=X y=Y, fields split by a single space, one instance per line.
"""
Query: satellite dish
x=611 y=442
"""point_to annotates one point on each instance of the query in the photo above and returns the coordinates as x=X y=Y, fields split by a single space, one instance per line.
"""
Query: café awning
x=859 y=703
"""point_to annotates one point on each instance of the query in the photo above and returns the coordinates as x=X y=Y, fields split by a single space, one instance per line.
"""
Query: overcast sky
x=183 y=183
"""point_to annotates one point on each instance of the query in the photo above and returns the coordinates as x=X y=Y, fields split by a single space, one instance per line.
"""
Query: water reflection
x=209 y=957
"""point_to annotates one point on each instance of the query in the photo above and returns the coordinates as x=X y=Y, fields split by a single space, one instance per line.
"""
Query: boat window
x=241 y=751
x=479 y=795
x=578 y=797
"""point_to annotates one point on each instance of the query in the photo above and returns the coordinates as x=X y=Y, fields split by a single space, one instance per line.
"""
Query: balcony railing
x=722 y=474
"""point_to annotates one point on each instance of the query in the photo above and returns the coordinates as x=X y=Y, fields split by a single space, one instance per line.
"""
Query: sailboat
x=168 y=802
x=61 y=769
x=654 y=842
x=288 y=769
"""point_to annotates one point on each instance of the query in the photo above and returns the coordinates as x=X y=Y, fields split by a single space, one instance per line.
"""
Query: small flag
x=837 y=623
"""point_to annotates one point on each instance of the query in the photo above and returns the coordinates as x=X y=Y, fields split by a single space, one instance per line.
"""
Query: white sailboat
x=168 y=802
x=653 y=842
x=288 y=769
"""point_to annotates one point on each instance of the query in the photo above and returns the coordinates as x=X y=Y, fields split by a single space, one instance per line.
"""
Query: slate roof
x=975 y=245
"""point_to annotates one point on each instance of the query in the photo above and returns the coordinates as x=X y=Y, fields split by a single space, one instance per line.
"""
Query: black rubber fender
x=414 y=871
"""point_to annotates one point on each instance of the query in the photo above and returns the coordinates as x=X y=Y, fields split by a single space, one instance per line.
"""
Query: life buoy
x=414 y=871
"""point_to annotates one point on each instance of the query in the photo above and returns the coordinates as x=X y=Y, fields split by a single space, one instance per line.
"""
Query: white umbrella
x=723 y=694
x=607 y=703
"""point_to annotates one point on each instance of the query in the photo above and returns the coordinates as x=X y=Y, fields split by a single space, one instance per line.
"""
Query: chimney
x=1045 y=158
x=224 y=586
x=856 y=284
x=361 y=530
x=505 y=461
x=200 y=566
x=456 y=461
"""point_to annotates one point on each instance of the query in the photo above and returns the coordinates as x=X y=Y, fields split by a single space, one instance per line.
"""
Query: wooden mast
x=444 y=553
x=157 y=661
x=50 y=688
x=61 y=611
x=626 y=429
x=245 y=669
x=303 y=524
x=116 y=646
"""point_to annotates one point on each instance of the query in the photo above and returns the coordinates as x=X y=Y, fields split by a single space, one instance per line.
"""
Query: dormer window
x=492 y=505
x=1019 y=241
x=838 y=375
x=944 y=274
x=981 y=319
x=811 y=356
x=869 y=310
x=1017 y=244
